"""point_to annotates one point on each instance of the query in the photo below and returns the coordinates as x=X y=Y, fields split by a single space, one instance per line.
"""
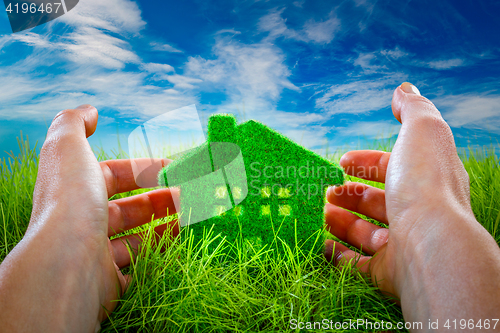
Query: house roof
x=257 y=143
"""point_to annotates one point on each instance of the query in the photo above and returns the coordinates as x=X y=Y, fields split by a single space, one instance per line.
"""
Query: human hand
x=433 y=235
x=66 y=269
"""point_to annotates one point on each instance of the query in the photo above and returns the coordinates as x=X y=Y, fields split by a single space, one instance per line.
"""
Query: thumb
x=424 y=161
x=74 y=120
x=68 y=171
x=424 y=133
x=408 y=104
x=423 y=127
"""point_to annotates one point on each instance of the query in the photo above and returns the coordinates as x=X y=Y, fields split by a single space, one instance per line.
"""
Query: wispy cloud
x=471 y=111
x=253 y=77
x=164 y=47
x=125 y=19
x=395 y=53
x=446 y=64
x=275 y=24
x=321 y=32
x=101 y=59
x=91 y=46
x=367 y=63
x=96 y=63
x=157 y=68
x=380 y=61
x=386 y=60
x=359 y=97
x=251 y=71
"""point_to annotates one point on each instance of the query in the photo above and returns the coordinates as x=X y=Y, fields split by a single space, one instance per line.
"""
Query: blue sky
x=321 y=72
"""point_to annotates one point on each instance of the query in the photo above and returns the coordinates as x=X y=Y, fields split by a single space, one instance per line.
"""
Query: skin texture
x=434 y=257
x=65 y=273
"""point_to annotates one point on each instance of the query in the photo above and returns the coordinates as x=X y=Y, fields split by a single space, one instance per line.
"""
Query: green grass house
x=250 y=181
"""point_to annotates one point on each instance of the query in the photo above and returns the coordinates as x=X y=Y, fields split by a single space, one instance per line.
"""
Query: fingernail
x=409 y=88
x=339 y=188
x=84 y=107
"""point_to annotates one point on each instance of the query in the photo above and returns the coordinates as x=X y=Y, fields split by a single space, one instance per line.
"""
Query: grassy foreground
x=186 y=289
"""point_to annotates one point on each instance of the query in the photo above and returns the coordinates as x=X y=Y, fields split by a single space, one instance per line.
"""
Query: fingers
x=366 y=164
x=131 y=212
x=121 y=253
x=120 y=177
x=360 y=198
x=341 y=255
x=121 y=278
x=354 y=230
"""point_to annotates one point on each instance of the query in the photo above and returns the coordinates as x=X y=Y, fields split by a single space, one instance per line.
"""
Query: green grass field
x=187 y=289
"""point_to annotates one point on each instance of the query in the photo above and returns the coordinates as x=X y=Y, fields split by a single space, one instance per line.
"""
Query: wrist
x=444 y=269
x=56 y=271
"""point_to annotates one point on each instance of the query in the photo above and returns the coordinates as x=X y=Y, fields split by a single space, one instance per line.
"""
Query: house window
x=266 y=192
x=236 y=192
x=221 y=192
x=285 y=210
x=284 y=192
x=266 y=210
x=219 y=210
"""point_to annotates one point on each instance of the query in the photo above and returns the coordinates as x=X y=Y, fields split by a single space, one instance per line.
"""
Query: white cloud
x=92 y=55
x=276 y=25
x=446 y=64
x=255 y=71
x=157 y=68
x=30 y=39
x=89 y=45
x=395 y=53
x=228 y=31
x=253 y=78
x=471 y=111
x=88 y=40
x=125 y=16
x=182 y=82
x=164 y=47
x=321 y=32
x=364 y=60
x=311 y=136
x=442 y=64
x=359 y=97
x=368 y=5
x=125 y=92
x=380 y=61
